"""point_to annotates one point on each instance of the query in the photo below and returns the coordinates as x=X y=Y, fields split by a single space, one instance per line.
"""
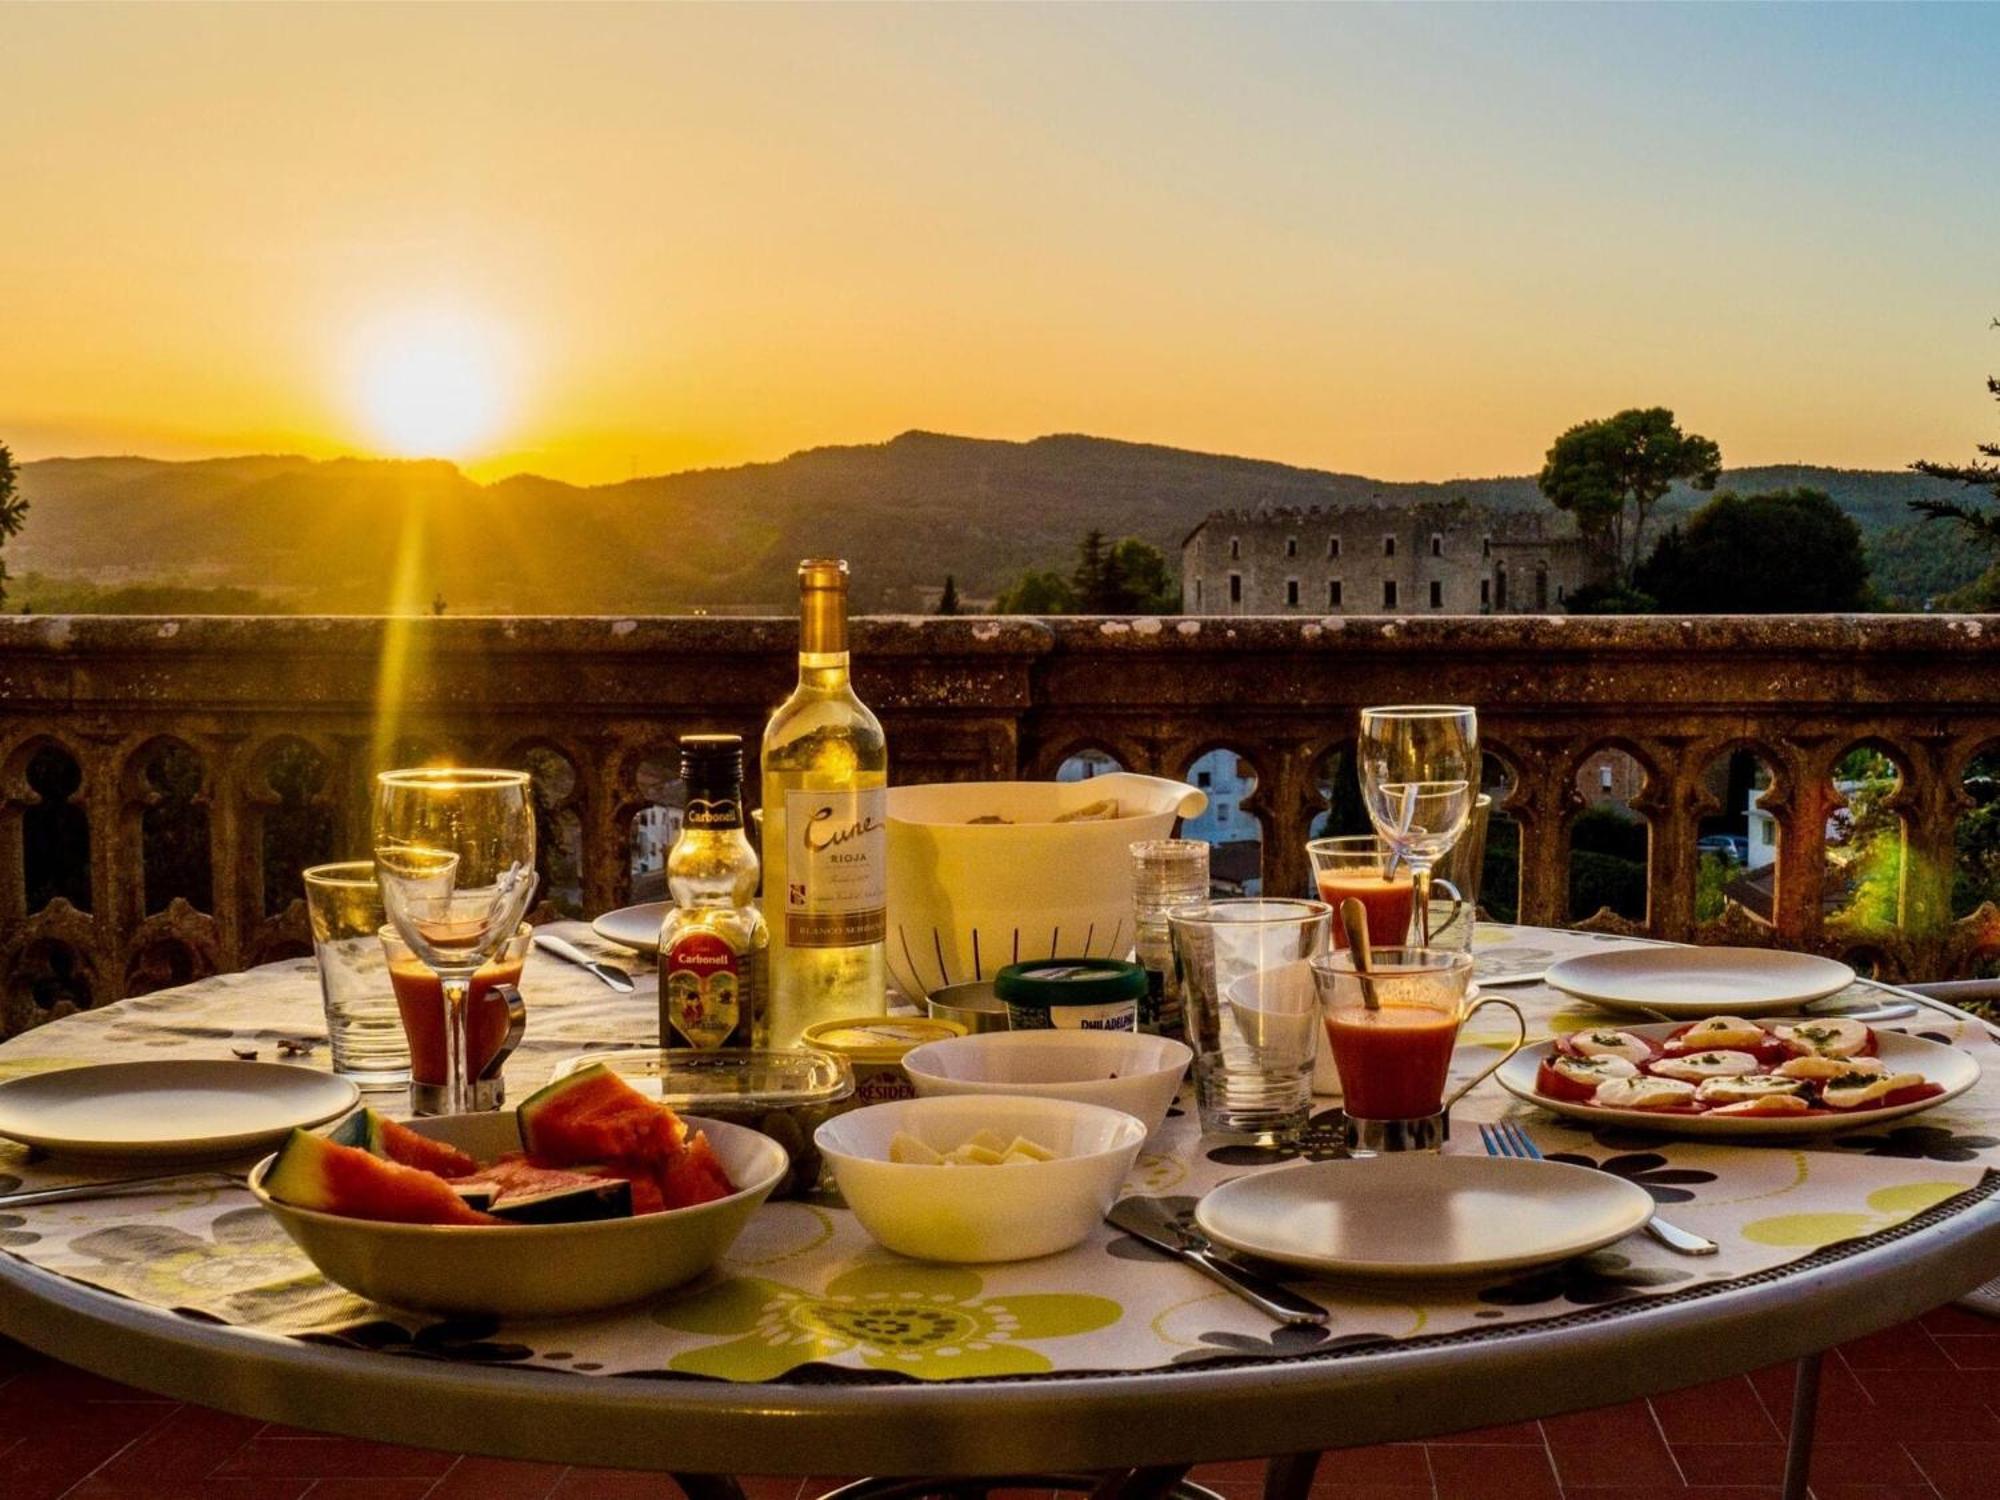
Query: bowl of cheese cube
x=980 y=1178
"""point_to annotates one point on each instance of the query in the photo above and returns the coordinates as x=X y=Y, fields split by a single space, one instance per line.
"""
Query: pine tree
x=1089 y=580
x=948 y=601
x=1983 y=525
x=13 y=509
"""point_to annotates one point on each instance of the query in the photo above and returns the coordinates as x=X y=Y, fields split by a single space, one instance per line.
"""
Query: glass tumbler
x=344 y=905
x=1252 y=1013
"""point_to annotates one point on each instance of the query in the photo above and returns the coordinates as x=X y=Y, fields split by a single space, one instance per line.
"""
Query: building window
x=1561 y=593
x=1541 y=588
x=1333 y=593
x=1204 y=779
x=1332 y=547
x=1500 y=588
x=1388 y=546
x=1437 y=594
x=1235 y=548
x=1485 y=592
x=1221 y=813
x=1197 y=593
x=1235 y=588
x=1486 y=546
x=1437 y=544
x=1604 y=778
x=1291 y=593
x=1291 y=546
x=1388 y=593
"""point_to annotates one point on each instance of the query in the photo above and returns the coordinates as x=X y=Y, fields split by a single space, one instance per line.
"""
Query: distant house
x=1452 y=557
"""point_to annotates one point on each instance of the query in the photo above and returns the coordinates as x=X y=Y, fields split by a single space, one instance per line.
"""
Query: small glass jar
x=1166 y=873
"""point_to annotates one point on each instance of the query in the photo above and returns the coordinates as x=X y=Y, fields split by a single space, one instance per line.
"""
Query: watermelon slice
x=524 y=1193
x=312 y=1171
x=380 y=1136
x=694 y=1176
x=593 y=1115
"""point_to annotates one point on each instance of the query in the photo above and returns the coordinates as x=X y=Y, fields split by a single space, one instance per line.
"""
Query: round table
x=1158 y=1420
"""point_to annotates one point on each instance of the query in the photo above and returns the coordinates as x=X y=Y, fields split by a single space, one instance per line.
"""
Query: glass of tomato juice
x=420 y=1002
x=1392 y=1032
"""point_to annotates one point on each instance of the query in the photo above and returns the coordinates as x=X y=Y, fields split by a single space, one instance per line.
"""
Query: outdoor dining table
x=813 y=1351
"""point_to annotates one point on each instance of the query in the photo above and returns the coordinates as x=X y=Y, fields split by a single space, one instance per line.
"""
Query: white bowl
x=532 y=1270
x=981 y=1213
x=966 y=899
x=1124 y=1070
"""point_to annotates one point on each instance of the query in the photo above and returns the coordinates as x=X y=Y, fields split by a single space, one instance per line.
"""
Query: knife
x=611 y=974
x=1149 y=1220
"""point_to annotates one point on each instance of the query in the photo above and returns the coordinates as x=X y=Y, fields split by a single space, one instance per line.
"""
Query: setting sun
x=431 y=386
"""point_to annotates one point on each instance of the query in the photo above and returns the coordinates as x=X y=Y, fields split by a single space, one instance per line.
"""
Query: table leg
x=1289 y=1476
x=1805 y=1409
x=708 y=1487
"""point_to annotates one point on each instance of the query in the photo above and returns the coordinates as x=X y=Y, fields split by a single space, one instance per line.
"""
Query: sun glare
x=432 y=386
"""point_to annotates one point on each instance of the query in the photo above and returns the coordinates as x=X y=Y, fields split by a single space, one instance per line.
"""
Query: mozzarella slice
x=1770 y=1104
x=1816 y=1067
x=1700 y=1065
x=1750 y=1086
x=1852 y=1092
x=1642 y=1092
x=1609 y=1043
x=1829 y=1038
x=1591 y=1069
x=1729 y=1032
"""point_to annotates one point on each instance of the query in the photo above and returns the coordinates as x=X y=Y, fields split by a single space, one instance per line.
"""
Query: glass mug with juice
x=1353 y=866
x=420 y=1002
x=1392 y=1032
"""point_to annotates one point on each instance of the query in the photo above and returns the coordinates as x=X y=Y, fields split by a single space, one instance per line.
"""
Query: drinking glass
x=419 y=1003
x=1419 y=775
x=1460 y=874
x=1251 y=1013
x=455 y=858
x=1357 y=865
x=344 y=905
x=1392 y=1032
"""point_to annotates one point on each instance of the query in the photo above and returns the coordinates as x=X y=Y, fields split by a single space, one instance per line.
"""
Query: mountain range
x=360 y=534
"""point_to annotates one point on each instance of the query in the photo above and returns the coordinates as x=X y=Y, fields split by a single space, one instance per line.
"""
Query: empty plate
x=1415 y=1217
x=634 y=927
x=1688 y=983
x=179 y=1108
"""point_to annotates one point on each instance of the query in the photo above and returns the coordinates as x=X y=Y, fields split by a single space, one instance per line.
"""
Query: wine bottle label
x=702 y=984
x=836 y=868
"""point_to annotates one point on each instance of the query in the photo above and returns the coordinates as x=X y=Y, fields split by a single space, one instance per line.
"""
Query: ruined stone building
x=1452 y=557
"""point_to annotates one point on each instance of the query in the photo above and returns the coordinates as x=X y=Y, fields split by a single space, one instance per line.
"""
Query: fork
x=115 y=1186
x=1509 y=1139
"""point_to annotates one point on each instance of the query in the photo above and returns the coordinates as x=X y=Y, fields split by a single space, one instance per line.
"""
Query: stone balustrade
x=163 y=781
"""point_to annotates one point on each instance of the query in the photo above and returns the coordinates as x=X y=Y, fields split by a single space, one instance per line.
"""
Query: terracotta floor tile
x=1951 y=1318
x=1836 y=1462
x=502 y=1479
x=334 y=1458
x=1907 y=1347
x=1873 y=1492
x=1730 y=1463
x=1389 y=1463
x=191 y=1443
x=370 y=1489
x=1644 y=1492
x=1959 y=1471
x=1503 y=1472
x=1514 y=1434
x=1374 y=1492
x=1237 y=1471
x=1724 y=1411
x=1969 y=1353
x=67 y=1448
x=1618 y=1445
x=1945 y=1387
x=616 y=1484
x=97 y=1488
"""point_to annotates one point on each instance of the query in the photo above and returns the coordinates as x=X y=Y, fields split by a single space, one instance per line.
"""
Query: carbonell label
x=837 y=868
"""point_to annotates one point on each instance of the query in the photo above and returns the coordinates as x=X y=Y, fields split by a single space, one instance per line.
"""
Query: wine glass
x=1419 y=776
x=455 y=857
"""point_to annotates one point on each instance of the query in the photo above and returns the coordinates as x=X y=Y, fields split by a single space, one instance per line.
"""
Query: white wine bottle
x=826 y=854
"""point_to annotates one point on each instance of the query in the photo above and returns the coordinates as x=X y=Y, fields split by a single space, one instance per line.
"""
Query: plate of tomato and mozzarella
x=1732 y=1076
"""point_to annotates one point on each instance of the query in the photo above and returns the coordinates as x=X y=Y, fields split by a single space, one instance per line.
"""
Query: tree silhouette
x=13 y=509
x=1786 y=552
x=948 y=601
x=1983 y=525
x=1610 y=474
x=437 y=602
x=1092 y=581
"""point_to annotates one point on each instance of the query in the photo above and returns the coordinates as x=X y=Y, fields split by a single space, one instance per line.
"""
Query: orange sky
x=1409 y=243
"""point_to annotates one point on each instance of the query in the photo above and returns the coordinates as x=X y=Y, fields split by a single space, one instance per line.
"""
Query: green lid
x=1046 y=982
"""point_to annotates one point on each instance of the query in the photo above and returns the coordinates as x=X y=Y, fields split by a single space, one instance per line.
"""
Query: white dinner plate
x=1954 y=1070
x=1417 y=1217
x=634 y=927
x=1689 y=983
x=179 y=1108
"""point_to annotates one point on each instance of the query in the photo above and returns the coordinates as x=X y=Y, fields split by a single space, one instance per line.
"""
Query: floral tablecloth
x=806 y=1296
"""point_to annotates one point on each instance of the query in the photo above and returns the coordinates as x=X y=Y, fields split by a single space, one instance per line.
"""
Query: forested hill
x=336 y=535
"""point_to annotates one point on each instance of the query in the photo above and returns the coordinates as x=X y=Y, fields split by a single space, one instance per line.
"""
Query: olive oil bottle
x=826 y=856
x=714 y=948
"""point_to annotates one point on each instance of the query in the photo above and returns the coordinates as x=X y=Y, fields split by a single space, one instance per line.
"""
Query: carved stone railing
x=163 y=780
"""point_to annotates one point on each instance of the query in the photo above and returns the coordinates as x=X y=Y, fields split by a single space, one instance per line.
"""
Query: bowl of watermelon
x=587 y=1196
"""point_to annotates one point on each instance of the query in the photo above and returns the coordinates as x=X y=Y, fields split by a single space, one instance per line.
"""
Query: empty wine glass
x=1419 y=766
x=455 y=857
